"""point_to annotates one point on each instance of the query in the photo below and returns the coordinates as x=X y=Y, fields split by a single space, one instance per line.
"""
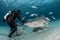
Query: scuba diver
x=10 y=19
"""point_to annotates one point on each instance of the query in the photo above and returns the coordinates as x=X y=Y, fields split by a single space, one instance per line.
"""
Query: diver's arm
x=20 y=19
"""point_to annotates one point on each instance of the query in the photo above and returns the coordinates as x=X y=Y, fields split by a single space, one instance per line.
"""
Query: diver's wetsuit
x=10 y=21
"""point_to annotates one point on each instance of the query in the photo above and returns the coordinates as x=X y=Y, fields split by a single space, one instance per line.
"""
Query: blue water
x=43 y=8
